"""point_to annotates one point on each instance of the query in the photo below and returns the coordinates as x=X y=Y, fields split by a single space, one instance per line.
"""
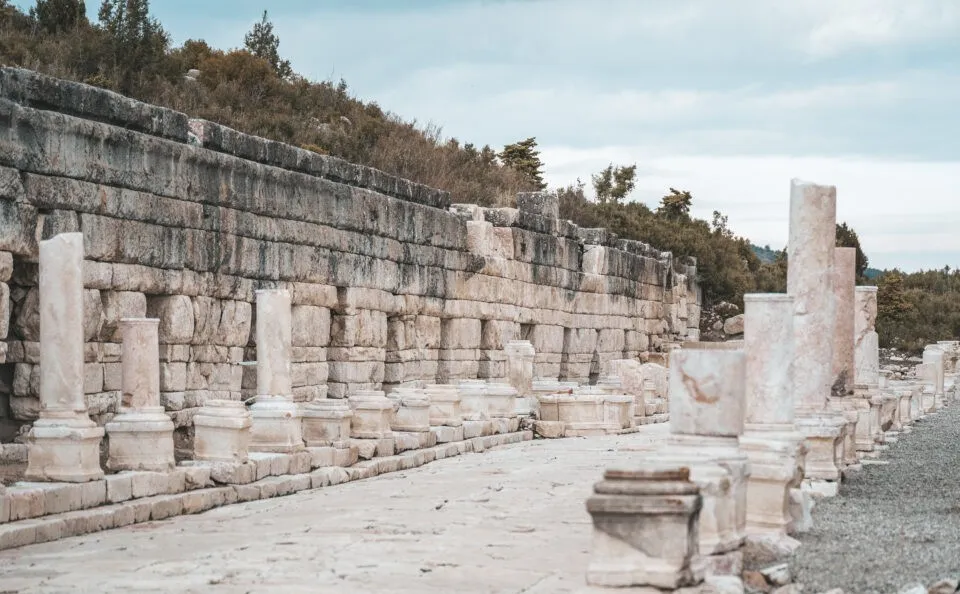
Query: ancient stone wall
x=184 y=219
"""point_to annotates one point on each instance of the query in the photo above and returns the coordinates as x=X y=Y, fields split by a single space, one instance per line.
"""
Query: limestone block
x=4 y=310
x=544 y=204
x=427 y=332
x=117 y=305
x=311 y=326
x=112 y=377
x=92 y=378
x=26 y=380
x=480 y=238
x=595 y=259
x=173 y=377
x=496 y=334
x=707 y=392
x=462 y=333
x=447 y=434
x=176 y=316
x=6 y=266
x=579 y=341
x=365 y=328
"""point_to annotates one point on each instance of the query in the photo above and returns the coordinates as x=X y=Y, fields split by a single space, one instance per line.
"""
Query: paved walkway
x=893 y=524
x=511 y=519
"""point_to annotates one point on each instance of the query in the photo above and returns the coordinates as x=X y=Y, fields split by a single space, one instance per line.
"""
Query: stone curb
x=48 y=528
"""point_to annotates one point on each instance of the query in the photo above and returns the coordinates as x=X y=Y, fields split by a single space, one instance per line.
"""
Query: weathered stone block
x=175 y=313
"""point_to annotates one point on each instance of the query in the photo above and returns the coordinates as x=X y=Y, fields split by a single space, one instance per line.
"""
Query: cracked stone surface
x=512 y=519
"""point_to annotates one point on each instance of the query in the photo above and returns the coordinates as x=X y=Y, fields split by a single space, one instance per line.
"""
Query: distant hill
x=766 y=254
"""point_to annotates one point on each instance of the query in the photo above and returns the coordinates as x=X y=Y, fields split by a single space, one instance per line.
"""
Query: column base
x=823 y=434
x=141 y=440
x=64 y=450
x=721 y=490
x=776 y=466
x=277 y=426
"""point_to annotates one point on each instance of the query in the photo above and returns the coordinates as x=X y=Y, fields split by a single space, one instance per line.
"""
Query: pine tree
x=138 y=42
x=614 y=183
x=892 y=302
x=524 y=157
x=847 y=237
x=676 y=204
x=263 y=43
x=57 y=16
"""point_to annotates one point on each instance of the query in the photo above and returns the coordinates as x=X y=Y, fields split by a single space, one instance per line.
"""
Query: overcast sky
x=729 y=100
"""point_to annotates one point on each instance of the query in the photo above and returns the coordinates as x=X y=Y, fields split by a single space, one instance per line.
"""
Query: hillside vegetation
x=255 y=90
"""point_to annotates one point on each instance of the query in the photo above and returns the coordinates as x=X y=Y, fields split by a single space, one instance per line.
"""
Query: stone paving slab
x=512 y=519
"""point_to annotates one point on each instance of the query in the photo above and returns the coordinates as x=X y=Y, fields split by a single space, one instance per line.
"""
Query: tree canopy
x=263 y=43
x=524 y=157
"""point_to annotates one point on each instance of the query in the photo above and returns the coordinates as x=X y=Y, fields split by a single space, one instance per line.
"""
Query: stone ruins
x=195 y=317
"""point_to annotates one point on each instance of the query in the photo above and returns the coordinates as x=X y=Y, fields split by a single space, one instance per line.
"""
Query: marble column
x=844 y=284
x=934 y=355
x=64 y=444
x=520 y=356
x=844 y=288
x=141 y=436
x=645 y=529
x=775 y=449
x=866 y=376
x=277 y=423
x=813 y=218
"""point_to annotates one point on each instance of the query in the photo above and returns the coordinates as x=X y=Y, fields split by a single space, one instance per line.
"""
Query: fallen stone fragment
x=777 y=575
x=753 y=581
x=766 y=549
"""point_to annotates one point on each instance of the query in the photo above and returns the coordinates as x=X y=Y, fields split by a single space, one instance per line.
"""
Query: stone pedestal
x=372 y=415
x=618 y=410
x=277 y=422
x=222 y=431
x=582 y=413
x=444 y=405
x=413 y=410
x=811 y=250
x=326 y=422
x=141 y=436
x=775 y=449
x=707 y=417
x=645 y=529
x=473 y=400
x=630 y=374
x=501 y=400
x=823 y=435
x=520 y=356
x=63 y=444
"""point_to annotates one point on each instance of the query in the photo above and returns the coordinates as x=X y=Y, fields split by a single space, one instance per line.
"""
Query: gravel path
x=894 y=524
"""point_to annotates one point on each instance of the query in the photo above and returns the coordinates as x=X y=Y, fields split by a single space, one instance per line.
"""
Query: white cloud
x=690 y=90
x=896 y=207
x=859 y=24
